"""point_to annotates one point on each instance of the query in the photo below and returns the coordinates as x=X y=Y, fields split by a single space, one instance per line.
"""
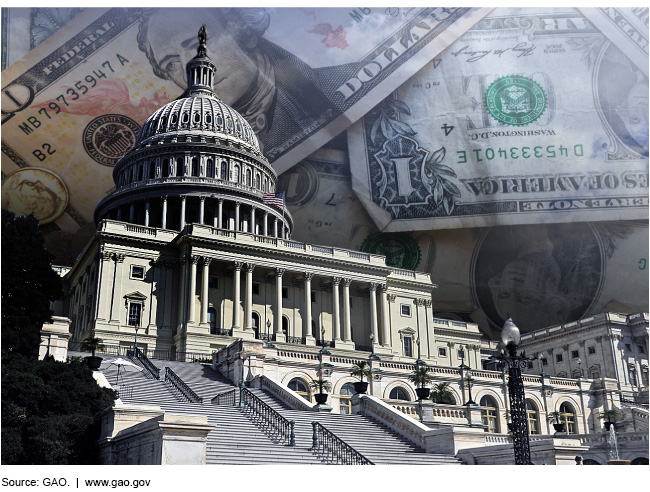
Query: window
x=135 y=312
x=195 y=167
x=212 y=320
x=406 y=310
x=594 y=373
x=345 y=405
x=285 y=292
x=544 y=361
x=137 y=272
x=300 y=387
x=256 y=289
x=461 y=354
x=641 y=349
x=398 y=393
x=489 y=414
x=558 y=358
x=628 y=347
x=533 y=417
x=313 y=296
x=591 y=350
x=213 y=282
x=530 y=364
x=633 y=380
x=285 y=324
x=574 y=354
x=179 y=167
x=408 y=347
x=442 y=352
x=568 y=418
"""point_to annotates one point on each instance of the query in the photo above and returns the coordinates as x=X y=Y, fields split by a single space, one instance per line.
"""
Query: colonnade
x=338 y=334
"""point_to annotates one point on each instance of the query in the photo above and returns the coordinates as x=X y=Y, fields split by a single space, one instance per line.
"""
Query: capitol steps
x=239 y=440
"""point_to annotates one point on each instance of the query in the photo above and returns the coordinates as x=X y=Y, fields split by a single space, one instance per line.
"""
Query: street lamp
x=466 y=378
x=373 y=356
x=268 y=343
x=323 y=350
x=242 y=382
x=510 y=336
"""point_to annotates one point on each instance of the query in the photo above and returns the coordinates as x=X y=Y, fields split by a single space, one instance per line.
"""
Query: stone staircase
x=239 y=439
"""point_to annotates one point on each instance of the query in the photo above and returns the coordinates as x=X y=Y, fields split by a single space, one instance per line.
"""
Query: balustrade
x=332 y=448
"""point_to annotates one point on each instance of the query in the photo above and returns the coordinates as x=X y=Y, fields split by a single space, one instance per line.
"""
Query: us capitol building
x=193 y=261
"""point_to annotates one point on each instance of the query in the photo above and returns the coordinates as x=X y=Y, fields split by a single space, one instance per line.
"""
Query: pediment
x=136 y=296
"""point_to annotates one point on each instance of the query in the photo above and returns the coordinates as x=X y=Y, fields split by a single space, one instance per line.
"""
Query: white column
x=146 y=213
x=252 y=224
x=205 y=262
x=202 y=210
x=236 y=295
x=131 y=213
x=182 y=212
x=164 y=213
x=192 y=290
x=248 y=301
x=306 y=321
x=336 y=314
x=266 y=223
x=103 y=294
x=220 y=214
x=373 y=310
x=278 y=301
x=117 y=289
x=384 y=315
x=347 y=329
x=237 y=216
x=275 y=227
x=182 y=316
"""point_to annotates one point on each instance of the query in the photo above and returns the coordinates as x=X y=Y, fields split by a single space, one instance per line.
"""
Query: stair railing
x=179 y=384
x=147 y=364
x=285 y=428
x=225 y=398
x=329 y=446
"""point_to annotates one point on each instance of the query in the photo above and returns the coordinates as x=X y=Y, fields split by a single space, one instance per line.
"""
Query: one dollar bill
x=533 y=116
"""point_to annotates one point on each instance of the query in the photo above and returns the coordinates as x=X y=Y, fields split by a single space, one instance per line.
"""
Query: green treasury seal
x=400 y=249
x=516 y=100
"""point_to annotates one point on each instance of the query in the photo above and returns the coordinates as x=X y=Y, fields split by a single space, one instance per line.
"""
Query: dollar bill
x=541 y=275
x=533 y=116
x=74 y=104
x=626 y=28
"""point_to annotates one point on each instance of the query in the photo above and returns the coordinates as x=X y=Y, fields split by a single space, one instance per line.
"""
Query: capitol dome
x=197 y=160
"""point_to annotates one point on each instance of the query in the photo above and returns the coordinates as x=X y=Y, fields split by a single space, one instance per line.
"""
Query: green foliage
x=361 y=369
x=321 y=385
x=440 y=393
x=28 y=285
x=611 y=415
x=554 y=417
x=421 y=376
x=50 y=412
x=93 y=344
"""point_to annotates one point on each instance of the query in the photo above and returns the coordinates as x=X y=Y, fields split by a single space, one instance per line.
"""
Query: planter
x=94 y=362
x=321 y=398
x=360 y=387
x=423 y=393
x=558 y=427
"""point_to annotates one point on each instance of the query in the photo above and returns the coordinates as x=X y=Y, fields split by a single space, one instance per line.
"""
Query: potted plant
x=322 y=386
x=360 y=369
x=555 y=418
x=420 y=377
x=610 y=416
x=93 y=344
x=442 y=394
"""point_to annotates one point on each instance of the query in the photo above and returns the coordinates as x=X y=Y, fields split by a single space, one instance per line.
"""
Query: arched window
x=179 y=167
x=489 y=414
x=195 y=167
x=533 y=417
x=398 y=393
x=212 y=320
x=152 y=170
x=264 y=184
x=235 y=173
x=256 y=325
x=249 y=177
x=257 y=181
x=224 y=170
x=141 y=173
x=210 y=169
x=345 y=405
x=300 y=387
x=285 y=325
x=638 y=461
x=165 y=168
x=568 y=417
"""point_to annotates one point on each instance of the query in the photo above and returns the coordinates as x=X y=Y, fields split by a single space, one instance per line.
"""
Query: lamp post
x=511 y=337
x=466 y=378
x=242 y=382
x=135 y=343
x=267 y=342
x=373 y=356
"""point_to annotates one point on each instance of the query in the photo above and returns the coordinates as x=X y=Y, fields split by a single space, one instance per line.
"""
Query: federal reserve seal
x=109 y=137
x=400 y=249
x=516 y=100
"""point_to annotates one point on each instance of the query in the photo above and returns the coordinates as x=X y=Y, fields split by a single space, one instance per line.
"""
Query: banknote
x=540 y=275
x=533 y=116
x=74 y=103
x=626 y=28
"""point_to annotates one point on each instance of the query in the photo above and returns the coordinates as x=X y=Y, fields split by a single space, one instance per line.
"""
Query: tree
x=440 y=393
x=361 y=369
x=420 y=376
x=28 y=284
